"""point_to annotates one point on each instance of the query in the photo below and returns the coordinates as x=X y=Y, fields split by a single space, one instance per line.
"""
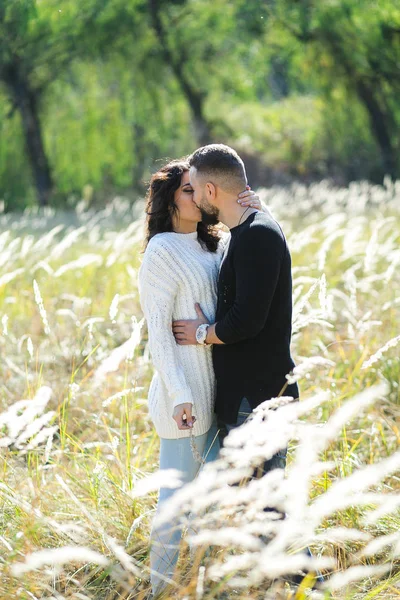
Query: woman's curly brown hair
x=161 y=207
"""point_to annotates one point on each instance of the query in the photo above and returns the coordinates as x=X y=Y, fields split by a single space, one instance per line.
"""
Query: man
x=252 y=332
x=251 y=336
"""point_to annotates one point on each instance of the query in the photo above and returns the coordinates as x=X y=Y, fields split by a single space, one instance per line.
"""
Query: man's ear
x=211 y=191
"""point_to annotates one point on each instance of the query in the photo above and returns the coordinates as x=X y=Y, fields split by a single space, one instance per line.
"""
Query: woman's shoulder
x=224 y=236
x=160 y=253
x=161 y=243
x=161 y=239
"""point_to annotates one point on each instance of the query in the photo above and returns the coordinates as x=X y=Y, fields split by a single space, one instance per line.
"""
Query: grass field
x=77 y=444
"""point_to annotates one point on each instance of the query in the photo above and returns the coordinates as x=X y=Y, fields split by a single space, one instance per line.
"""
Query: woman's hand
x=250 y=198
x=182 y=415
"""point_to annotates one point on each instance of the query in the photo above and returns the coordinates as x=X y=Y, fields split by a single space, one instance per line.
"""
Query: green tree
x=38 y=41
x=201 y=42
x=355 y=45
x=177 y=60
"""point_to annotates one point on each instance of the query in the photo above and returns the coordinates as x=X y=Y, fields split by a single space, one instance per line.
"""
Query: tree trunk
x=194 y=97
x=196 y=103
x=25 y=99
x=369 y=98
x=379 y=127
x=278 y=78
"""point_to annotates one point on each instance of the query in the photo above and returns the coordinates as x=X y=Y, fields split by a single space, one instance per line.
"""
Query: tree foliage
x=92 y=93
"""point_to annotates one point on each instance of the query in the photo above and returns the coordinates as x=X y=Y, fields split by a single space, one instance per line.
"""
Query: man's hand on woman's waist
x=185 y=330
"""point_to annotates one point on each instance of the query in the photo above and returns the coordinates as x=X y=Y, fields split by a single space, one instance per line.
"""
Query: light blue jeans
x=165 y=538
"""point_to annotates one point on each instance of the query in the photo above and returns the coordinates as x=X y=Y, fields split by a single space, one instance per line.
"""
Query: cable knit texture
x=177 y=272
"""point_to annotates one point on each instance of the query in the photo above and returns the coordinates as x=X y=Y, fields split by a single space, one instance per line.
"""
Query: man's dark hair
x=221 y=165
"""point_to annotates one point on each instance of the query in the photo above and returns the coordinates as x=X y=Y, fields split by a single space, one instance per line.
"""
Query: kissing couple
x=218 y=307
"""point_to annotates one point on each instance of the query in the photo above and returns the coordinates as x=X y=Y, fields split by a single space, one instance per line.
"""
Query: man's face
x=209 y=212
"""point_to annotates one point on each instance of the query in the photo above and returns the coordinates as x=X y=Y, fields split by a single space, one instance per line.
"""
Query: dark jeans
x=278 y=461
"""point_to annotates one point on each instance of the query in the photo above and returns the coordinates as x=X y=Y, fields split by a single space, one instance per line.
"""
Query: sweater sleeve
x=158 y=286
x=257 y=260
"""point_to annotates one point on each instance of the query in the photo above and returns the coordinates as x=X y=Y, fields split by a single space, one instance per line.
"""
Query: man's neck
x=233 y=214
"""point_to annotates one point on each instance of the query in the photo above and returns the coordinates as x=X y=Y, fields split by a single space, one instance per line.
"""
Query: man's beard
x=209 y=213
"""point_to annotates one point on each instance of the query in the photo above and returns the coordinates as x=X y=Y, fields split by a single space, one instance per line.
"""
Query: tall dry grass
x=79 y=456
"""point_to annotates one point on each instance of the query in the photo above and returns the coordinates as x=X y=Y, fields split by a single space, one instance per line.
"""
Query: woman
x=180 y=267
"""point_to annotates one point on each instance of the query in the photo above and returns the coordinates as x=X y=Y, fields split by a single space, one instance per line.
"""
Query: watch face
x=201 y=334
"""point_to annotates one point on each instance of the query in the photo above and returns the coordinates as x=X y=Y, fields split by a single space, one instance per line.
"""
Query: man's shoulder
x=262 y=229
x=265 y=220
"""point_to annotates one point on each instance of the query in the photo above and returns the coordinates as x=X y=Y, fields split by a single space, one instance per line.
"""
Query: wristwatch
x=201 y=334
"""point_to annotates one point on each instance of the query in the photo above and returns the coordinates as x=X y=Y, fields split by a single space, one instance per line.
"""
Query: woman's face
x=188 y=211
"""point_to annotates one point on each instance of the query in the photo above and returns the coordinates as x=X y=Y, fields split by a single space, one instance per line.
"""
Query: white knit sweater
x=177 y=272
